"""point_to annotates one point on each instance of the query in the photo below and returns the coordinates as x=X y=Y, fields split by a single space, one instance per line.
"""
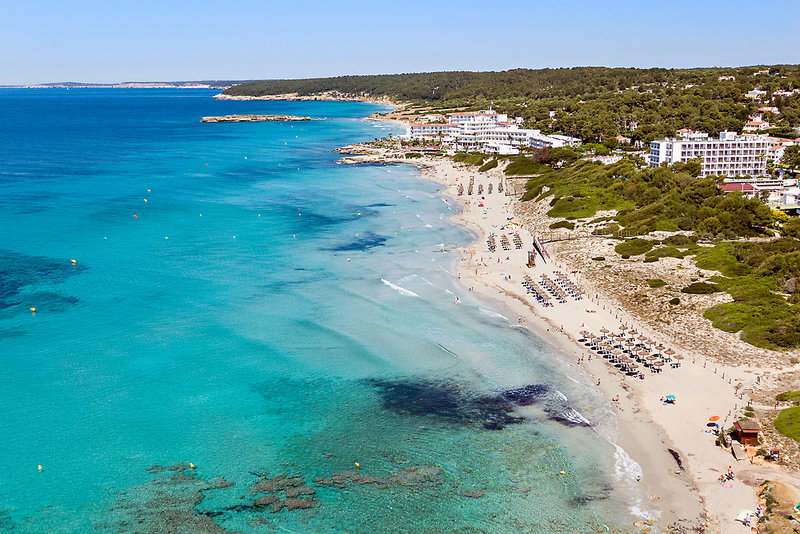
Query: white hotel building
x=486 y=131
x=728 y=155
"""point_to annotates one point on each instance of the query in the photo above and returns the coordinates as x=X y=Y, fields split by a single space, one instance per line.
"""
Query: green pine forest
x=593 y=103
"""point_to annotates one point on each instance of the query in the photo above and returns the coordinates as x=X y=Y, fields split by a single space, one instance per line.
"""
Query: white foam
x=493 y=314
x=401 y=290
x=627 y=471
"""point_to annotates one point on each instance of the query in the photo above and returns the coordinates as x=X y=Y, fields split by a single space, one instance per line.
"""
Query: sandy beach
x=676 y=450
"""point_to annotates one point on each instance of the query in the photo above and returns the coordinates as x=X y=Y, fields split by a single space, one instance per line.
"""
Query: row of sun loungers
x=541 y=297
x=631 y=353
x=504 y=243
x=492 y=244
x=571 y=289
x=517 y=241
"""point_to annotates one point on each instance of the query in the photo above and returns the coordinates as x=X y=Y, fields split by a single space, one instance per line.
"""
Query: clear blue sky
x=145 y=40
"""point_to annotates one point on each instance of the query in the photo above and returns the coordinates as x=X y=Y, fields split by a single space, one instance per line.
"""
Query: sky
x=179 y=40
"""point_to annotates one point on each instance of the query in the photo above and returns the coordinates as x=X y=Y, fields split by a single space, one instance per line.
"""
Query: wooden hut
x=747 y=432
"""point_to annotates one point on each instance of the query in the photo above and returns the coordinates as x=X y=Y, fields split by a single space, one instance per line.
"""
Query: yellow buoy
x=191 y=465
x=148 y=190
x=73 y=262
x=40 y=467
x=562 y=472
x=358 y=465
x=33 y=310
x=201 y=215
x=166 y=237
x=234 y=237
x=145 y=200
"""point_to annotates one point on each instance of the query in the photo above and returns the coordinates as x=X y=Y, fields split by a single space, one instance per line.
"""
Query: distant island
x=259 y=118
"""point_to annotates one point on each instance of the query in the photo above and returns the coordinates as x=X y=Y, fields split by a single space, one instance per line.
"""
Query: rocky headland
x=259 y=118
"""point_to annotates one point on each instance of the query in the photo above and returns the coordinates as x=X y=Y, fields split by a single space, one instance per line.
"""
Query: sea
x=235 y=333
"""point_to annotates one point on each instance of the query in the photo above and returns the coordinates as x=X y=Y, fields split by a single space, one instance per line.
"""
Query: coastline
x=328 y=96
x=679 y=460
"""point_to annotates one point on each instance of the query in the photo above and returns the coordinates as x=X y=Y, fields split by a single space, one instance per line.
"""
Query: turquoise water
x=221 y=323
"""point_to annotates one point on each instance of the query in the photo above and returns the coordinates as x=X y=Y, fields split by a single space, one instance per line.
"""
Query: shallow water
x=223 y=325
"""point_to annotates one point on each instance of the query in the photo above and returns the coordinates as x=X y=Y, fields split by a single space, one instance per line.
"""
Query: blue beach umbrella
x=670 y=397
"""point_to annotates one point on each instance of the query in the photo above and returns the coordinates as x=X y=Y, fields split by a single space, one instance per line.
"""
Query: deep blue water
x=220 y=322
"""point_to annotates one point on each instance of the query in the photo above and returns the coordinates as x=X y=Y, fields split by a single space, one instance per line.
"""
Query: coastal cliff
x=329 y=96
x=259 y=118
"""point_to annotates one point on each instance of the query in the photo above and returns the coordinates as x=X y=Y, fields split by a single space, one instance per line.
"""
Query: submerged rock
x=473 y=494
x=294 y=504
x=266 y=500
x=277 y=483
x=164 y=504
x=297 y=491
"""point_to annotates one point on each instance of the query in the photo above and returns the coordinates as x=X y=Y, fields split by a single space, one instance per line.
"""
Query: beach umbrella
x=604 y=330
x=633 y=332
x=658 y=363
x=623 y=328
x=669 y=351
x=670 y=397
x=714 y=418
x=660 y=346
x=651 y=358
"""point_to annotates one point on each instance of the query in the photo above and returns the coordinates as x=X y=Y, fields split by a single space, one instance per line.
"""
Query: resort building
x=429 y=131
x=727 y=155
x=606 y=160
x=486 y=131
x=538 y=140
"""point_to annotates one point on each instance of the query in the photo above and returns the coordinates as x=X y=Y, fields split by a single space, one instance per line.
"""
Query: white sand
x=647 y=428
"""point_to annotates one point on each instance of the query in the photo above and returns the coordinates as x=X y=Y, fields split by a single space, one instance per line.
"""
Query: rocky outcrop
x=259 y=118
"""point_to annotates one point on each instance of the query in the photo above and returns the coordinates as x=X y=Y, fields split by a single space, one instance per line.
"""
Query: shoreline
x=328 y=96
x=656 y=436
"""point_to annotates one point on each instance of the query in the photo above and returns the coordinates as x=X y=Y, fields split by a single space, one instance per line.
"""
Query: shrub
x=700 y=288
x=665 y=252
x=675 y=301
x=469 y=159
x=412 y=155
x=680 y=241
x=634 y=247
x=562 y=224
x=524 y=166
x=489 y=165
x=655 y=282
x=599 y=258
x=788 y=422
x=789 y=396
